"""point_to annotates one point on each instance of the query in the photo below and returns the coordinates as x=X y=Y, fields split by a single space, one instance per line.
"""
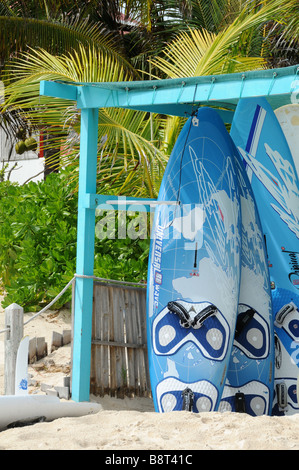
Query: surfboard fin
x=282 y=395
x=240 y=403
x=178 y=309
x=188 y=398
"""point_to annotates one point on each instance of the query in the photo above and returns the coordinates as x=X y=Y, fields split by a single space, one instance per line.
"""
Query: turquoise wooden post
x=85 y=256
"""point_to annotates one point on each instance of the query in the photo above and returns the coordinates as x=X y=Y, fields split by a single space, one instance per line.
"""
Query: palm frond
x=127 y=157
x=57 y=37
x=200 y=52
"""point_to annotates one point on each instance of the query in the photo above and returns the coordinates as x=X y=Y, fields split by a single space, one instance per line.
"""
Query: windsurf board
x=274 y=181
x=250 y=376
x=194 y=269
x=20 y=410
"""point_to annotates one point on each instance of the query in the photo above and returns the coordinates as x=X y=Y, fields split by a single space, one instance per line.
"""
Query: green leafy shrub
x=37 y=241
x=38 y=231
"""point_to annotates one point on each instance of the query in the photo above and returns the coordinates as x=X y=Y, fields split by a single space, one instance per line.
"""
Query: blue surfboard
x=271 y=171
x=250 y=378
x=194 y=269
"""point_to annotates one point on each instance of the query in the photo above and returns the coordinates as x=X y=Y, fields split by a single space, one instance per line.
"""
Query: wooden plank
x=145 y=352
x=100 y=378
x=141 y=331
x=113 y=358
x=94 y=350
x=130 y=353
x=120 y=364
x=105 y=334
x=136 y=340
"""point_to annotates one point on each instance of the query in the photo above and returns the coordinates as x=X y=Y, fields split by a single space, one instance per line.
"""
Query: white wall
x=26 y=169
x=28 y=164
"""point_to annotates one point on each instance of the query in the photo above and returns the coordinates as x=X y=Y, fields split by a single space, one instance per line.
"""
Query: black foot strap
x=283 y=312
x=203 y=315
x=242 y=320
x=184 y=316
x=181 y=312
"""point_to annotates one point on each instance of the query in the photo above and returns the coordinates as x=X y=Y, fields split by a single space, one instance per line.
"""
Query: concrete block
x=63 y=392
x=66 y=337
x=44 y=387
x=41 y=348
x=52 y=392
x=56 y=340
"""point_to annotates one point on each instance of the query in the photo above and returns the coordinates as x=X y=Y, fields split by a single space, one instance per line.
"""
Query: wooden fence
x=119 y=362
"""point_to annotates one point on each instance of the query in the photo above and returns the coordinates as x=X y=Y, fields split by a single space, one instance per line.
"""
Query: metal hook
x=242 y=84
x=154 y=94
x=272 y=83
x=181 y=91
x=211 y=87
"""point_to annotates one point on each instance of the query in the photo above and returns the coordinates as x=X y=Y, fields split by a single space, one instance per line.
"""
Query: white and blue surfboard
x=250 y=378
x=194 y=269
x=271 y=171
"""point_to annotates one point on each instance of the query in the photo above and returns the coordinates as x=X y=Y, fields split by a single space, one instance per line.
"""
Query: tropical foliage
x=38 y=243
x=126 y=152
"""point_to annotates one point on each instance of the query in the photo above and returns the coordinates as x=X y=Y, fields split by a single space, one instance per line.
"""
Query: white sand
x=132 y=424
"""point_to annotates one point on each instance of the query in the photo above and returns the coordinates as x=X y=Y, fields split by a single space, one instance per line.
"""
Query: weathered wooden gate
x=119 y=362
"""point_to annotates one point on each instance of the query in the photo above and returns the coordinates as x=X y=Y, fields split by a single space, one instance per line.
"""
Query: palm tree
x=220 y=37
x=57 y=27
x=283 y=38
x=223 y=37
x=128 y=159
x=231 y=43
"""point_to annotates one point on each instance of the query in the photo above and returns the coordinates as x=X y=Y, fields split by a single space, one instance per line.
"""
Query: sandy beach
x=132 y=423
